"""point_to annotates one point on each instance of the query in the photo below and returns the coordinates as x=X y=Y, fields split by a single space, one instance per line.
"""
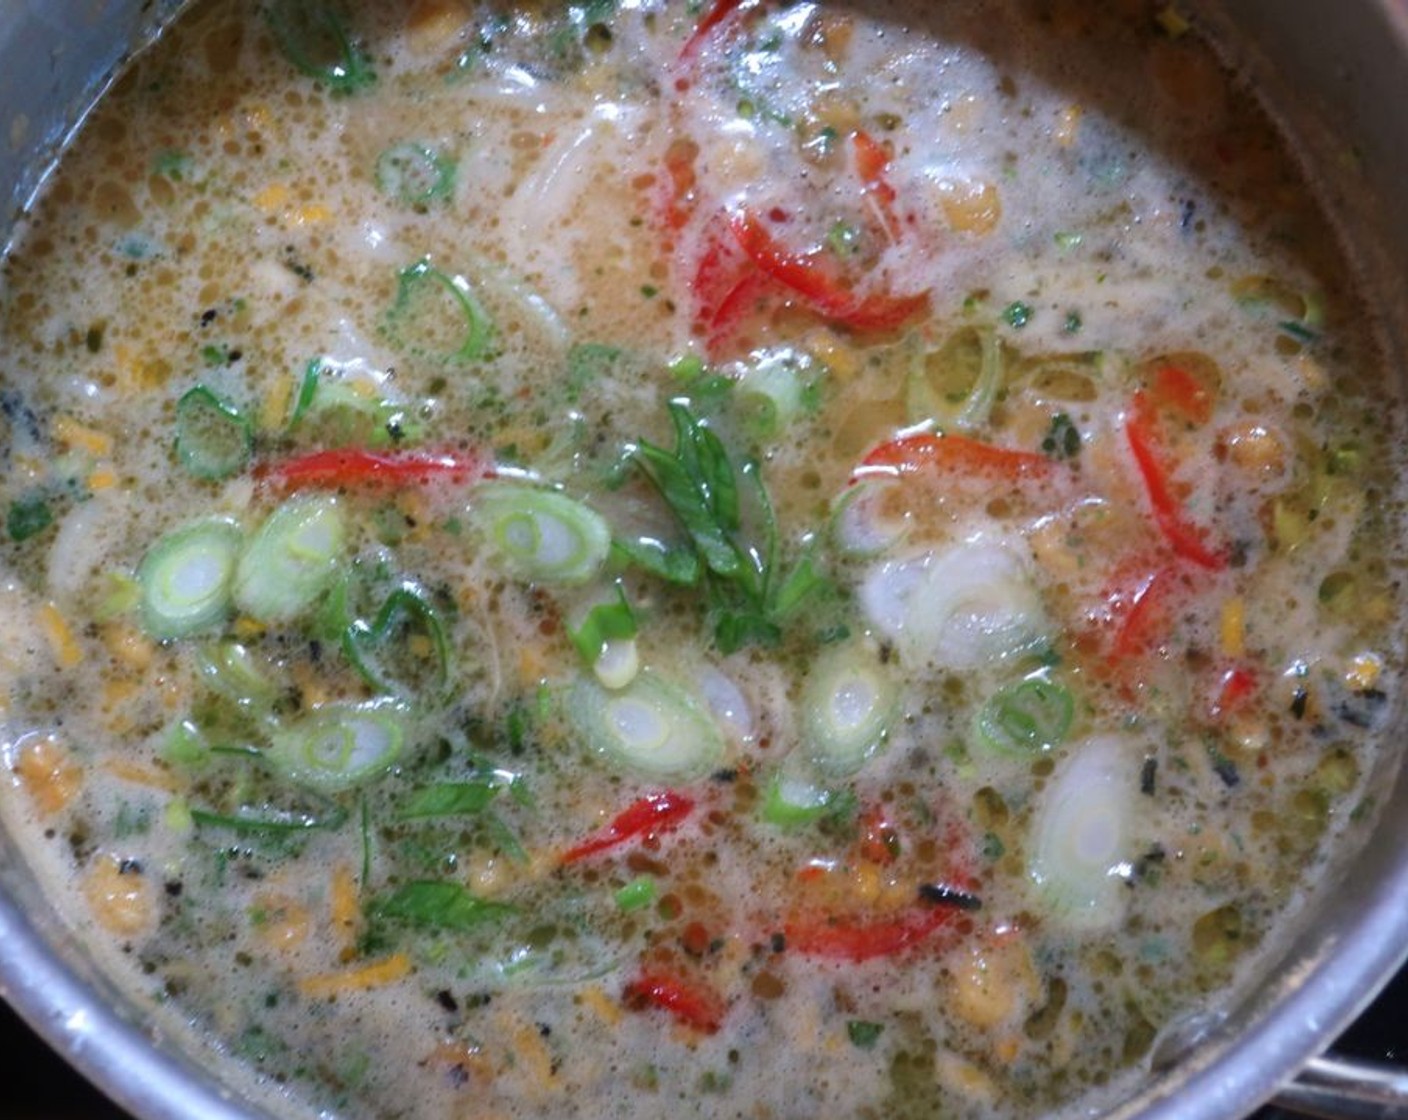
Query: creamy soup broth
x=759 y=560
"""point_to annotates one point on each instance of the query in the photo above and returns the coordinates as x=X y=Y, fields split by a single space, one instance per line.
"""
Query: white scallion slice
x=847 y=703
x=792 y=799
x=339 y=746
x=862 y=522
x=618 y=663
x=1081 y=835
x=292 y=560
x=541 y=535
x=185 y=578
x=650 y=727
x=971 y=606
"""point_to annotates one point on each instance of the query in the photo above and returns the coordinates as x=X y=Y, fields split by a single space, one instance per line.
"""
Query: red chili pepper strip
x=1178 y=390
x=951 y=453
x=1237 y=687
x=690 y=1003
x=358 y=468
x=1147 y=610
x=660 y=812
x=871 y=163
x=1186 y=538
x=807 y=276
x=864 y=941
x=716 y=15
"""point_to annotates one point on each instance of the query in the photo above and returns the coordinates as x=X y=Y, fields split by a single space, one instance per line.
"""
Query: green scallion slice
x=847 y=703
x=415 y=174
x=541 y=535
x=650 y=727
x=1028 y=717
x=213 y=438
x=292 y=560
x=339 y=746
x=186 y=578
x=438 y=316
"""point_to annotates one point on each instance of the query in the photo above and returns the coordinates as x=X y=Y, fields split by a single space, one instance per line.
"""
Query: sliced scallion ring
x=1028 y=717
x=969 y=606
x=213 y=438
x=650 y=727
x=863 y=524
x=292 y=560
x=339 y=746
x=230 y=669
x=1081 y=835
x=186 y=578
x=791 y=800
x=438 y=316
x=847 y=702
x=540 y=534
x=415 y=174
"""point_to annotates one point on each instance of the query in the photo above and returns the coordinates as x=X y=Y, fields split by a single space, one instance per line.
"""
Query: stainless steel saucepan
x=1337 y=76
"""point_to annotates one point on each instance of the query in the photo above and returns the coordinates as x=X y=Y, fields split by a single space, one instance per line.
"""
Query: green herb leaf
x=862 y=1034
x=28 y=517
x=438 y=905
x=448 y=799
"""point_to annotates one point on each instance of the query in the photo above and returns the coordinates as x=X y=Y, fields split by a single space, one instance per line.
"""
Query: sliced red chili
x=1186 y=539
x=722 y=11
x=872 y=161
x=691 y=1002
x=809 y=276
x=353 y=467
x=930 y=452
x=1235 y=690
x=1182 y=393
x=650 y=816
x=879 y=838
x=851 y=940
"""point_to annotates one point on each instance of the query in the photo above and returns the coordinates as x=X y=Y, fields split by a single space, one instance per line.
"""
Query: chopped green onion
x=186 y=578
x=651 y=727
x=418 y=317
x=292 y=560
x=312 y=37
x=639 y=892
x=541 y=534
x=404 y=608
x=184 y=744
x=230 y=669
x=415 y=174
x=339 y=746
x=1080 y=842
x=351 y=410
x=847 y=702
x=267 y=819
x=862 y=525
x=1028 y=717
x=602 y=624
x=213 y=439
x=1017 y=314
x=28 y=517
x=957 y=383
x=790 y=800
x=438 y=905
x=970 y=606
x=773 y=392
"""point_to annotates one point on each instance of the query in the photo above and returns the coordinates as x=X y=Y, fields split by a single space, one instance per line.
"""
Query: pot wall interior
x=1345 y=70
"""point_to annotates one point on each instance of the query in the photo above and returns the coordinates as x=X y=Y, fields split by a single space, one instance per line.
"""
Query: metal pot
x=1337 y=76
